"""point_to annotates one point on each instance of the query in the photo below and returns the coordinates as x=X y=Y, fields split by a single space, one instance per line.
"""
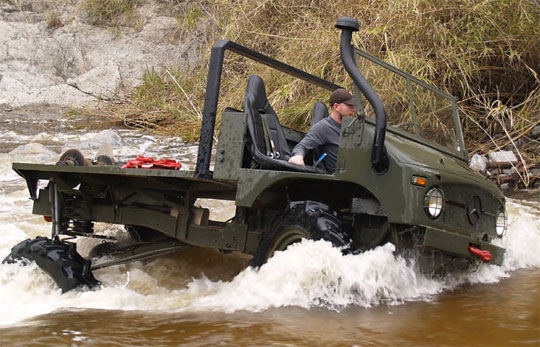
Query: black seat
x=260 y=112
x=265 y=138
x=320 y=112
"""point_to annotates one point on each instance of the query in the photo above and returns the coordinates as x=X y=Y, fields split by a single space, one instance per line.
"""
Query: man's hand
x=297 y=159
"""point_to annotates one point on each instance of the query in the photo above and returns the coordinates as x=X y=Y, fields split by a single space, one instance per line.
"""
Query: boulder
x=509 y=171
x=60 y=94
x=502 y=157
x=33 y=153
x=478 y=163
x=108 y=136
x=101 y=82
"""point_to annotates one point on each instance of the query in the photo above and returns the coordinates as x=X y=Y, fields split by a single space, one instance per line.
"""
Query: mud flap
x=58 y=259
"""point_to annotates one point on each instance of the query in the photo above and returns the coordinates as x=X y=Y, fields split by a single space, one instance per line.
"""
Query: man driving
x=325 y=133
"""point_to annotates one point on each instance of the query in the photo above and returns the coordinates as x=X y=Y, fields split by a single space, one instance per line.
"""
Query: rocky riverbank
x=508 y=170
x=49 y=54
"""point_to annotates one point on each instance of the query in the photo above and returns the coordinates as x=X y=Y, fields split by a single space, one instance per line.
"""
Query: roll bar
x=213 y=82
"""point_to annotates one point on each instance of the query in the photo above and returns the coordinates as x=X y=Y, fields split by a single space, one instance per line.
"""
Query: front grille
x=469 y=209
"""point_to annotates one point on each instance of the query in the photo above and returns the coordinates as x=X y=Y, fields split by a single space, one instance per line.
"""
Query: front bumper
x=458 y=244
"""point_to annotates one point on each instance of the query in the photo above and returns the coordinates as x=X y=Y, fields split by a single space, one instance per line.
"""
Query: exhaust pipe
x=347 y=25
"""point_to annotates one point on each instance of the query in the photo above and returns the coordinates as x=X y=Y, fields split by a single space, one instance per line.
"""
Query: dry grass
x=484 y=52
x=54 y=21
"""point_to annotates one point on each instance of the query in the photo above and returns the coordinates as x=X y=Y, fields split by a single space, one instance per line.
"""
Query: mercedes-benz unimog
x=401 y=178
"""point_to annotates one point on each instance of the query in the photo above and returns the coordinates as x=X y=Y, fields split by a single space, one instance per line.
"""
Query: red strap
x=484 y=254
x=149 y=163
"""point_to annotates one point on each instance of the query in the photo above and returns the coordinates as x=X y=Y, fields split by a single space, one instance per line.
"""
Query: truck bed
x=161 y=179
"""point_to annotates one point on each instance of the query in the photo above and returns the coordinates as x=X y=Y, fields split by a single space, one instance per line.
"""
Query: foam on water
x=522 y=241
x=309 y=274
x=314 y=274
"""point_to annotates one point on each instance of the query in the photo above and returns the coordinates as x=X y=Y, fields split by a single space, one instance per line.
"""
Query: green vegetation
x=107 y=12
x=190 y=17
x=484 y=52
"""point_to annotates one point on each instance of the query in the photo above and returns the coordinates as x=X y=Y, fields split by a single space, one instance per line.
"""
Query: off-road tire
x=71 y=157
x=104 y=160
x=302 y=220
x=58 y=259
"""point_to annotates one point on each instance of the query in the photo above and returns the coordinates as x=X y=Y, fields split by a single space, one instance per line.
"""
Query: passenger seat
x=320 y=111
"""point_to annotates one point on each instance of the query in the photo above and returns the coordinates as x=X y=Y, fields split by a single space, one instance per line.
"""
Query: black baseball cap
x=341 y=96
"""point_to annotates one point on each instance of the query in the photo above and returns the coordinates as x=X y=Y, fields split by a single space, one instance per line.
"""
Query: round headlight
x=433 y=202
x=501 y=223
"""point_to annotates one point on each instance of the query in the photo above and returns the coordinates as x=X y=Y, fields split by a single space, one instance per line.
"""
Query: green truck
x=401 y=177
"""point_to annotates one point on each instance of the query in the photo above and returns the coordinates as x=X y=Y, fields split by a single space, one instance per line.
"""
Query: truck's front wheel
x=302 y=220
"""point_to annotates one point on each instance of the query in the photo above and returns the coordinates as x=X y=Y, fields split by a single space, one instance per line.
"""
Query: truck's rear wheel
x=302 y=220
x=58 y=259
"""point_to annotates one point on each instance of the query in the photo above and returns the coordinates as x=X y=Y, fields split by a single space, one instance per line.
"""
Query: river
x=308 y=295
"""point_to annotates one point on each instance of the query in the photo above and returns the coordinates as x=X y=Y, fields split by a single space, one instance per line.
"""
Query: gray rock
x=34 y=153
x=509 y=171
x=62 y=94
x=101 y=82
x=105 y=136
x=502 y=156
x=478 y=163
x=536 y=131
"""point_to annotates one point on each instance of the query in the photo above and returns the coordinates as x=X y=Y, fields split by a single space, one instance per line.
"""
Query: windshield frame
x=460 y=153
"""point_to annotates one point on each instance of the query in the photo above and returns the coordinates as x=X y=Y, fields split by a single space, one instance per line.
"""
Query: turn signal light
x=419 y=181
x=47 y=218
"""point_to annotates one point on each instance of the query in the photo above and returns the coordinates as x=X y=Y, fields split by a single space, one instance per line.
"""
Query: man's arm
x=313 y=139
x=297 y=159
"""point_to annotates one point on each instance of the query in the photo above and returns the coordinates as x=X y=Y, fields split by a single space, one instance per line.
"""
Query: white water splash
x=522 y=241
x=315 y=274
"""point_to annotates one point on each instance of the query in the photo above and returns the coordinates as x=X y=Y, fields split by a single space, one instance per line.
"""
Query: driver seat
x=266 y=141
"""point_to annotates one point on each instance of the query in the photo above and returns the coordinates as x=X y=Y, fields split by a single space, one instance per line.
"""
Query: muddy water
x=308 y=295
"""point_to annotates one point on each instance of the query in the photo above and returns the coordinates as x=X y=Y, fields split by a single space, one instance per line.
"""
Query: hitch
x=482 y=254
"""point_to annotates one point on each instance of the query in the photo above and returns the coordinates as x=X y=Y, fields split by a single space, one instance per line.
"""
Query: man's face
x=346 y=109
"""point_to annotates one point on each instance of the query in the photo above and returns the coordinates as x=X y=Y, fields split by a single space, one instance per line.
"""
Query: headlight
x=433 y=202
x=501 y=223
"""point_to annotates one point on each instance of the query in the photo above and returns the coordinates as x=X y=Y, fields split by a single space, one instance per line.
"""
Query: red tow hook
x=483 y=254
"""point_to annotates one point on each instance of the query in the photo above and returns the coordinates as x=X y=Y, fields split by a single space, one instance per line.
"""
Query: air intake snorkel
x=347 y=25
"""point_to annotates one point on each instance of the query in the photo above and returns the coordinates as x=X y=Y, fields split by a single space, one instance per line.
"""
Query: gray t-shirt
x=325 y=136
